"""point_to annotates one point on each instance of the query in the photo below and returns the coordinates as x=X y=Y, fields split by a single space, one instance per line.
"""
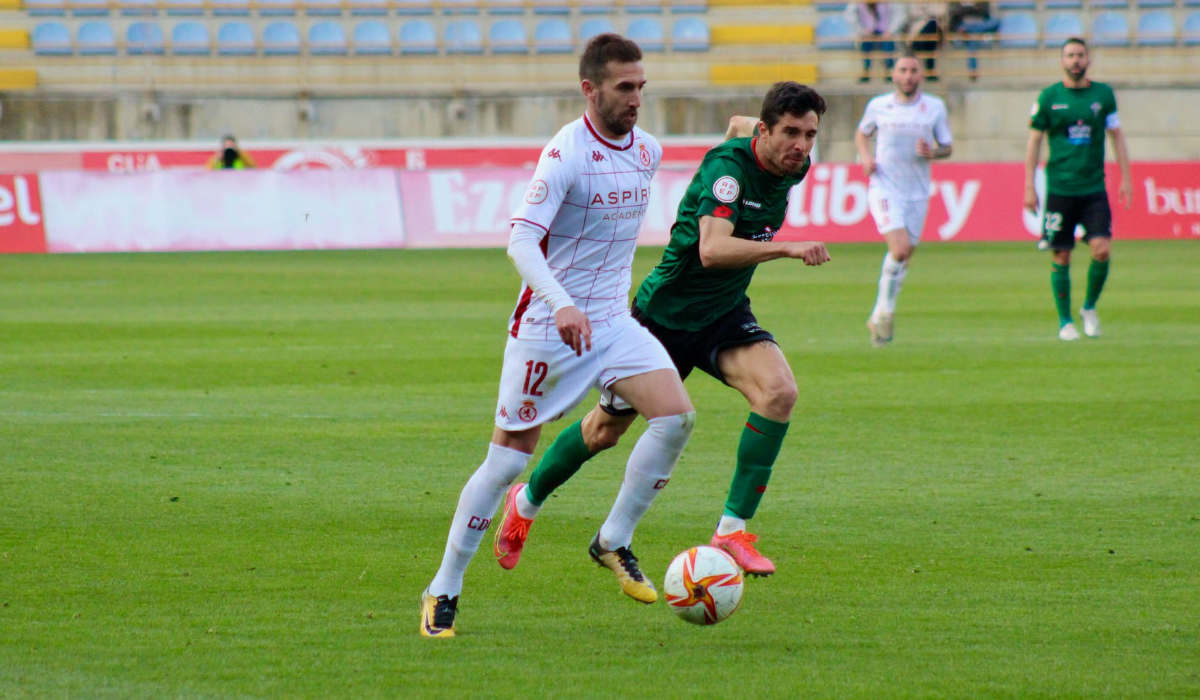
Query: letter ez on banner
x=22 y=229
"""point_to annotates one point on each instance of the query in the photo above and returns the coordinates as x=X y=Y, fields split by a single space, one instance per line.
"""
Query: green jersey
x=1075 y=121
x=731 y=184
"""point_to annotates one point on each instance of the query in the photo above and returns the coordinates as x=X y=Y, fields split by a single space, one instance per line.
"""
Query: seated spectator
x=878 y=25
x=972 y=18
x=230 y=157
x=924 y=34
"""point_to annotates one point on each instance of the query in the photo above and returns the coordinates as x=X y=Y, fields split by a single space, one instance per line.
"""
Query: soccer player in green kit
x=1074 y=114
x=695 y=303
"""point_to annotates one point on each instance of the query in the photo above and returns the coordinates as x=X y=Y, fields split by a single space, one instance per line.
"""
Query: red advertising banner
x=22 y=226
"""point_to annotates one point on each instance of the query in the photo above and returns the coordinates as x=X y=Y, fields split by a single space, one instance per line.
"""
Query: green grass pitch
x=230 y=475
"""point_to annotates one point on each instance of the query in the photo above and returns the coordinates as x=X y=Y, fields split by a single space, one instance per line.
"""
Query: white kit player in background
x=910 y=130
x=572 y=242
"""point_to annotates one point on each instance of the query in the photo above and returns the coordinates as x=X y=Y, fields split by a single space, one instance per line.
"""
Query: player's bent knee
x=674 y=430
x=604 y=437
x=780 y=397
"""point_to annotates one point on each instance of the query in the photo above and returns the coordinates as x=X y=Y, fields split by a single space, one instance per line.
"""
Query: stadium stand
x=506 y=7
x=89 y=8
x=508 y=36
x=138 y=8
x=1191 y=30
x=1060 y=27
x=552 y=35
x=45 y=8
x=371 y=38
x=551 y=8
x=648 y=33
x=185 y=8
x=276 y=8
x=1156 y=3
x=327 y=39
x=417 y=36
x=589 y=28
x=369 y=8
x=14 y=38
x=1155 y=28
x=1108 y=4
x=835 y=33
x=322 y=8
x=460 y=7
x=190 y=39
x=1018 y=30
x=281 y=38
x=95 y=38
x=1110 y=29
x=230 y=8
x=144 y=38
x=1016 y=5
x=235 y=39
x=689 y=34
x=52 y=39
x=462 y=36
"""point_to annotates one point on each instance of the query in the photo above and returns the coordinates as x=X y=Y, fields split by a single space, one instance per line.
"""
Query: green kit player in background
x=695 y=303
x=1074 y=115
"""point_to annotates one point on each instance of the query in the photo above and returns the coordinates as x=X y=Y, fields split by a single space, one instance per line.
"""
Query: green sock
x=757 y=450
x=1060 y=282
x=565 y=456
x=1097 y=273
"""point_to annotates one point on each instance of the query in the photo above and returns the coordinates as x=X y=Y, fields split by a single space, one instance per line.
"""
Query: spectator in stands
x=972 y=18
x=878 y=24
x=924 y=34
x=230 y=157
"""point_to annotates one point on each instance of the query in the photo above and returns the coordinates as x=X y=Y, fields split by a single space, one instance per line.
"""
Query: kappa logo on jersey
x=644 y=155
x=554 y=154
x=537 y=192
x=1057 y=106
x=597 y=156
x=726 y=188
x=722 y=212
x=527 y=412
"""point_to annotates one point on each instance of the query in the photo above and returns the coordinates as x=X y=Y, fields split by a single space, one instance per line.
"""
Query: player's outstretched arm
x=720 y=249
x=1033 y=149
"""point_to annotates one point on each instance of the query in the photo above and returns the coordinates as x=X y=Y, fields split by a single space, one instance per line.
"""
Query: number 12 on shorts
x=535 y=374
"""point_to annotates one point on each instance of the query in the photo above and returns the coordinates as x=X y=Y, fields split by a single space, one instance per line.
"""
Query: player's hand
x=1125 y=192
x=924 y=150
x=1031 y=200
x=868 y=165
x=811 y=252
x=574 y=328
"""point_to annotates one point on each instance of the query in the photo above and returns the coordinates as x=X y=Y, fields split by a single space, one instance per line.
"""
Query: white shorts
x=543 y=380
x=892 y=212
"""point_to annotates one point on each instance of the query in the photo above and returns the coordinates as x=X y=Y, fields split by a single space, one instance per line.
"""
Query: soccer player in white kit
x=572 y=241
x=910 y=130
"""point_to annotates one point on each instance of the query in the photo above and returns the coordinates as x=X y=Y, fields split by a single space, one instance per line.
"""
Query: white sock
x=730 y=524
x=525 y=507
x=891 y=278
x=476 y=506
x=647 y=472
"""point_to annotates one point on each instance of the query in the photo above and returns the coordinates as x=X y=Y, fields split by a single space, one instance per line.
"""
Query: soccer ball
x=703 y=585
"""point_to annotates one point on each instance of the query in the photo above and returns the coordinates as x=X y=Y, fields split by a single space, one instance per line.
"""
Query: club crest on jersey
x=597 y=156
x=537 y=192
x=1095 y=109
x=644 y=155
x=527 y=412
x=554 y=153
x=726 y=189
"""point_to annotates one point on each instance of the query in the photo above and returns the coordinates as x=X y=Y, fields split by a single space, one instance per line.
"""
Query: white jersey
x=589 y=195
x=897 y=127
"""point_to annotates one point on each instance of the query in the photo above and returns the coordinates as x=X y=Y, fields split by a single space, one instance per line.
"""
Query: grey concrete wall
x=988 y=123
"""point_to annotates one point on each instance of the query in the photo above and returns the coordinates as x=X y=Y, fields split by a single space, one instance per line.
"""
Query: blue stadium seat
x=1063 y=4
x=327 y=39
x=322 y=8
x=144 y=38
x=1191 y=3
x=552 y=36
x=1156 y=3
x=644 y=7
x=689 y=34
x=508 y=36
x=51 y=39
x=463 y=36
x=417 y=37
x=1110 y=29
x=45 y=8
x=368 y=8
x=1191 y=30
x=647 y=32
x=1060 y=27
x=412 y=7
x=280 y=38
x=230 y=8
x=89 y=8
x=371 y=38
x=834 y=32
x=95 y=39
x=1016 y=5
x=589 y=28
x=1156 y=28
x=595 y=7
x=684 y=6
x=184 y=8
x=550 y=7
x=138 y=8
x=276 y=8
x=235 y=39
x=1108 y=4
x=460 y=7
x=190 y=39
x=506 y=7
x=1018 y=30
x=831 y=7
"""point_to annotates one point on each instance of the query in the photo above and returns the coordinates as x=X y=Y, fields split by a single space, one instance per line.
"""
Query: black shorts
x=1064 y=212
x=699 y=349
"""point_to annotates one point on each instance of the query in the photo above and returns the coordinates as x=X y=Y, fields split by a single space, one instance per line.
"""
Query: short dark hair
x=1074 y=40
x=603 y=48
x=788 y=97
